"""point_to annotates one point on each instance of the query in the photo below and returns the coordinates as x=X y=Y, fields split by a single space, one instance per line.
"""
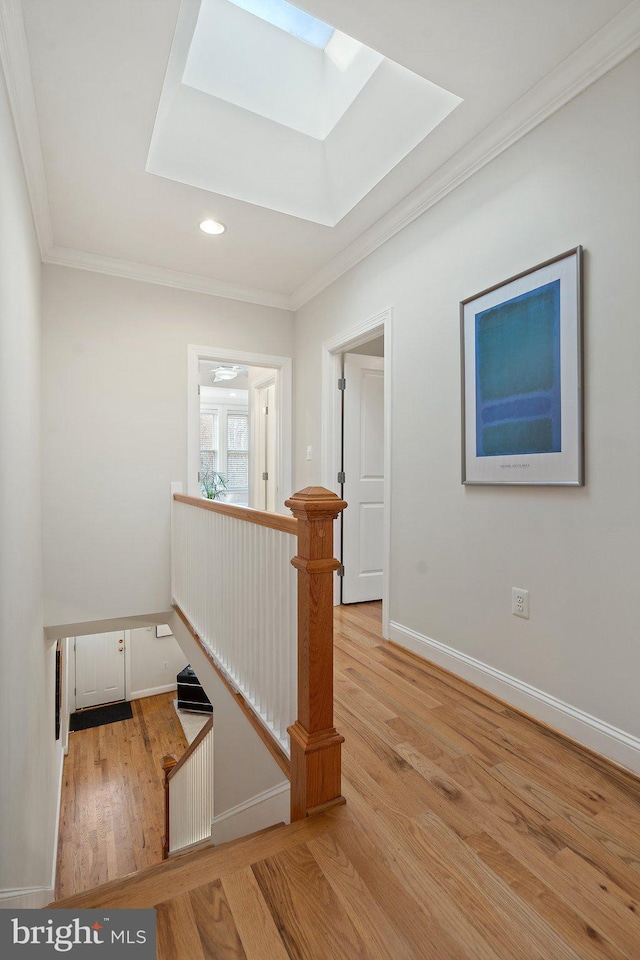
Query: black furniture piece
x=191 y=696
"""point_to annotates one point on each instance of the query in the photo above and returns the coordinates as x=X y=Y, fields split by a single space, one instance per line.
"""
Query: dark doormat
x=98 y=716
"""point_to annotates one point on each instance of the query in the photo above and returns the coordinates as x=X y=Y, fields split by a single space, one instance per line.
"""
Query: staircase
x=217 y=902
x=265 y=641
x=173 y=878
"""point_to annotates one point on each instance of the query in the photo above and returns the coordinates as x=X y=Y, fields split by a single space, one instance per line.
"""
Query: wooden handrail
x=262 y=517
x=315 y=743
x=191 y=749
x=315 y=765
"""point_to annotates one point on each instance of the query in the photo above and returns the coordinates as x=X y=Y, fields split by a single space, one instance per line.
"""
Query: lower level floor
x=112 y=808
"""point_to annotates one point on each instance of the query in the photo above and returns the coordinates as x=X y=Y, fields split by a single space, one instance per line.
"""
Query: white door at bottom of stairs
x=363 y=488
x=99 y=669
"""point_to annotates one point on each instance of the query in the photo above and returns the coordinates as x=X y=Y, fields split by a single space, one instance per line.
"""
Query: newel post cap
x=169 y=761
x=315 y=503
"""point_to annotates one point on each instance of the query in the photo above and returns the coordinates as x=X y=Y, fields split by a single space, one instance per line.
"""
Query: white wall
x=148 y=655
x=457 y=551
x=115 y=428
x=29 y=756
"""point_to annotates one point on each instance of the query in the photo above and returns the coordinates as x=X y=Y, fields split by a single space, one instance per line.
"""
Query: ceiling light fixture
x=212 y=227
x=225 y=373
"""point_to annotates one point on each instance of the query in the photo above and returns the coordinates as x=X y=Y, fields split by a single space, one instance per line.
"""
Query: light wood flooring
x=469 y=833
x=112 y=812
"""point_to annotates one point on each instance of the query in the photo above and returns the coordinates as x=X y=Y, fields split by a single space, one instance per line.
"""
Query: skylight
x=237 y=86
x=296 y=22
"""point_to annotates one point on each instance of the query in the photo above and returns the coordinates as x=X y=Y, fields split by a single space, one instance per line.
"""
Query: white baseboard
x=152 y=691
x=263 y=810
x=598 y=735
x=26 y=898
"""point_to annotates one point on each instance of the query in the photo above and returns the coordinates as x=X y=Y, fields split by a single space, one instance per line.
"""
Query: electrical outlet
x=309 y=453
x=165 y=664
x=520 y=602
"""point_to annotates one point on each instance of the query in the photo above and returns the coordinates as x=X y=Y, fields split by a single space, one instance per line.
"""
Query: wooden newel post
x=168 y=763
x=315 y=743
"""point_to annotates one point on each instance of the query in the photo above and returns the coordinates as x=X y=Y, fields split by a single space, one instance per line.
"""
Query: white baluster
x=234 y=582
x=191 y=797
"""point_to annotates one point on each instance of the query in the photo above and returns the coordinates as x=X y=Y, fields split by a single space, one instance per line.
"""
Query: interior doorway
x=224 y=431
x=363 y=473
x=371 y=525
x=239 y=427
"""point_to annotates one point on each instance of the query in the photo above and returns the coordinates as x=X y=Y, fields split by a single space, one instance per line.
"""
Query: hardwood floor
x=469 y=833
x=112 y=812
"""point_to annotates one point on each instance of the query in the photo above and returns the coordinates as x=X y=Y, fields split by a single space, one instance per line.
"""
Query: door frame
x=284 y=413
x=379 y=325
x=69 y=693
x=254 y=408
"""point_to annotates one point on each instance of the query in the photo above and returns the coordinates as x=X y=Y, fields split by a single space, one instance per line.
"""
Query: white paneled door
x=363 y=460
x=99 y=669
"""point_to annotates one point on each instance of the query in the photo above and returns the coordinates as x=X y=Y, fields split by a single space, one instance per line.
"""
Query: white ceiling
x=251 y=112
x=98 y=68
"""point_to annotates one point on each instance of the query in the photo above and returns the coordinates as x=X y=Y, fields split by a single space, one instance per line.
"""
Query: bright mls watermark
x=101 y=933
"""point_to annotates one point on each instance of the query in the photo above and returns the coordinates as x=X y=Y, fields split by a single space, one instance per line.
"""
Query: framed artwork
x=522 y=378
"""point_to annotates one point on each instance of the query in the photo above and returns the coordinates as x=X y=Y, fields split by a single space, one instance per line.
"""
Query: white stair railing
x=188 y=784
x=254 y=590
x=232 y=578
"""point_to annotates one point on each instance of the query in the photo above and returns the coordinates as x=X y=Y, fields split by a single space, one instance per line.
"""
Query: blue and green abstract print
x=518 y=375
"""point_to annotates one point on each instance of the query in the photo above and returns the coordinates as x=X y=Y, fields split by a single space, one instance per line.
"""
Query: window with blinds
x=209 y=442
x=237 y=451
x=224 y=448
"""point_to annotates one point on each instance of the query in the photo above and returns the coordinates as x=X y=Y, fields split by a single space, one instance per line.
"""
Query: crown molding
x=14 y=58
x=612 y=44
x=129 y=269
x=617 y=40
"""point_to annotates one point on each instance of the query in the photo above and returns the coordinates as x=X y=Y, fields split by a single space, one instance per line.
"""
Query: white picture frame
x=522 y=394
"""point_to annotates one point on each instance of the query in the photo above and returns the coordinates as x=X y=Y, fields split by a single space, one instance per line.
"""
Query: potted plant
x=213 y=485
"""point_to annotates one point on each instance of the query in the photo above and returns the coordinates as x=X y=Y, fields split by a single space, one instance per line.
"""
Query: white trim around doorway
x=284 y=426
x=254 y=412
x=379 y=325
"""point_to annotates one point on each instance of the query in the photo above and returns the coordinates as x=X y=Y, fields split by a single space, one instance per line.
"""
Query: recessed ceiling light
x=212 y=226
